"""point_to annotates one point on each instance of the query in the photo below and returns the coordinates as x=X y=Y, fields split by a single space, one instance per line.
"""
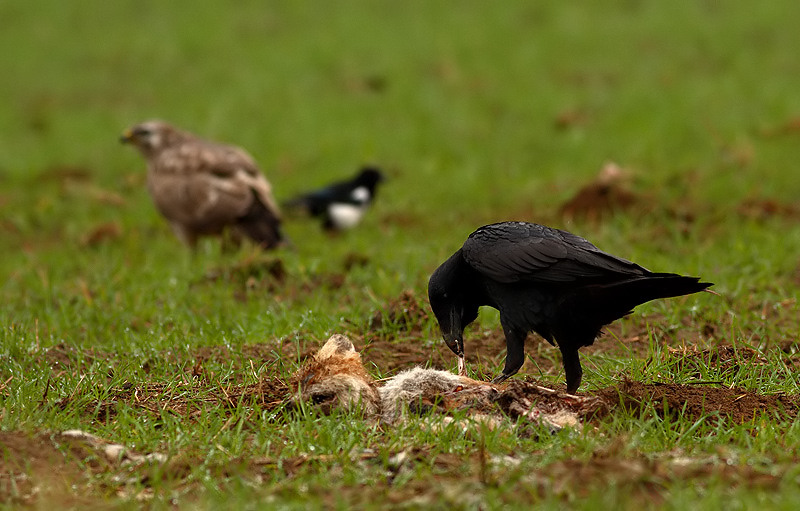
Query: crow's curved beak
x=453 y=331
x=126 y=137
x=455 y=342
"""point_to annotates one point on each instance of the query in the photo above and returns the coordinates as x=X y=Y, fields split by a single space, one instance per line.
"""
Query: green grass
x=459 y=103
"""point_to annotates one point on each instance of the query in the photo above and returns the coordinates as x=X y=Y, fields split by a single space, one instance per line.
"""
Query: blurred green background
x=478 y=112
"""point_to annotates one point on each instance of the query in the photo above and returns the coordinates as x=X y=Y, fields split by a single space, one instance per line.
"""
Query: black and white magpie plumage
x=342 y=204
x=546 y=281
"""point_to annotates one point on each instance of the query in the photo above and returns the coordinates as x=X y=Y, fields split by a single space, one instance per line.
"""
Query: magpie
x=342 y=204
x=542 y=280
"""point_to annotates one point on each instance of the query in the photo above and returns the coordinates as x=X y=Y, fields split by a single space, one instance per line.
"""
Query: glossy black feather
x=542 y=280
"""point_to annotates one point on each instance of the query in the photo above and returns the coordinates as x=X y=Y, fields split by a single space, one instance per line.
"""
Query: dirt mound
x=761 y=209
x=101 y=233
x=32 y=468
x=61 y=468
x=605 y=195
x=697 y=401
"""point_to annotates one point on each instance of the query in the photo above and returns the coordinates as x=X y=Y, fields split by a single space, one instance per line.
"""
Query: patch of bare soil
x=786 y=127
x=696 y=401
x=32 y=468
x=763 y=209
x=371 y=83
x=102 y=233
x=607 y=194
x=571 y=118
x=60 y=468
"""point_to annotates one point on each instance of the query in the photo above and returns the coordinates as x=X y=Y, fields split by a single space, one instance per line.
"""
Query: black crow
x=546 y=281
x=342 y=204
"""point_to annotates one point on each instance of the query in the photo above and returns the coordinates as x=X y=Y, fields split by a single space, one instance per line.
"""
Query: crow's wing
x=524 y=252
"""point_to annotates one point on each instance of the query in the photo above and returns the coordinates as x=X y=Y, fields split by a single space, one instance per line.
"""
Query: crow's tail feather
x=664 y=285
x=612 y=301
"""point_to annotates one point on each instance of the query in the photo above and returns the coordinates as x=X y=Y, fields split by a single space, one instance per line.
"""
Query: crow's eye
x=322 y=397
x=142 y=132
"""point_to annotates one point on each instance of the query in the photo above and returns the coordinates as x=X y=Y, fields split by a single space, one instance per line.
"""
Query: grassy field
x=478 y=112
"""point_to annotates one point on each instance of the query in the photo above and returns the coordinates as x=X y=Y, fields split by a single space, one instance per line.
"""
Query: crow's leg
x=572 y=368
x=515 y=352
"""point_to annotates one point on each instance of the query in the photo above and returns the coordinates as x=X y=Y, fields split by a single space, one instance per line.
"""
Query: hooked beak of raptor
x=126 y=137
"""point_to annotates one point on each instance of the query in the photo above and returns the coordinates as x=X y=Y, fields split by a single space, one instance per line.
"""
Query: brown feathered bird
x=546 y=281
x=203 y=187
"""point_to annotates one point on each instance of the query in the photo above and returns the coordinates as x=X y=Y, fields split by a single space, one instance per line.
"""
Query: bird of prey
x=546 y=281
x=342 y=204
x=203 y=187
